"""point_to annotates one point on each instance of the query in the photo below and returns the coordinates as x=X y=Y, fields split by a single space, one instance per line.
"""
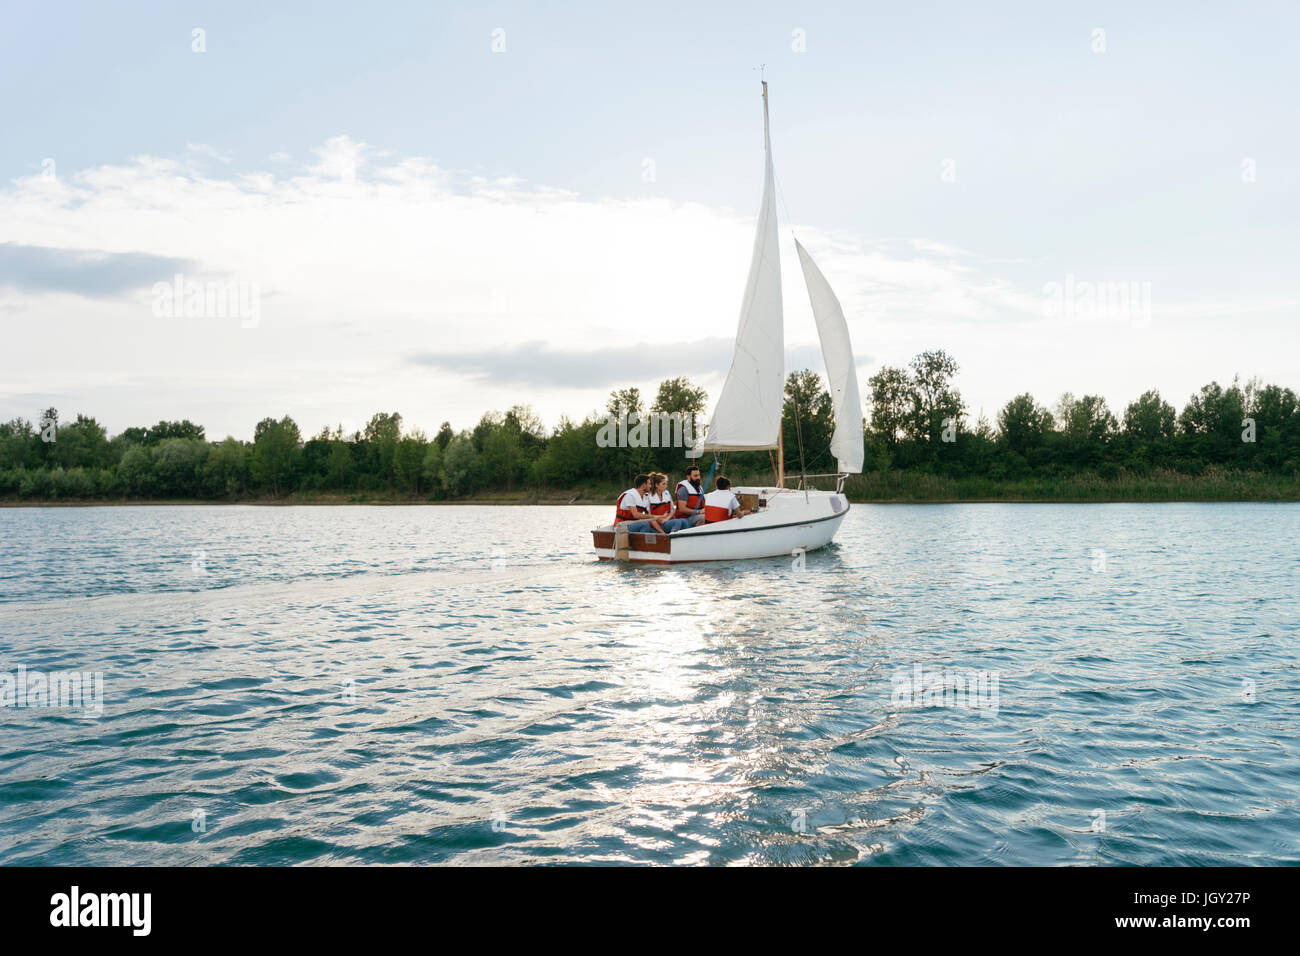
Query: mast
x=780 y=429
x=780 y=450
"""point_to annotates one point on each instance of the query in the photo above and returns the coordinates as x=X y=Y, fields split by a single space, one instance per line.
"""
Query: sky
x=444 y=209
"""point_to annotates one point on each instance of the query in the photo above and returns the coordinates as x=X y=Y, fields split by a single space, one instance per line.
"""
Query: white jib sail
x=748 y=413
x=841 y=374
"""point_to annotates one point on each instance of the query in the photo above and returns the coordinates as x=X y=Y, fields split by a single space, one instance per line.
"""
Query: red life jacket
x=714 y=513
x=694 y=499
x=661 y=507
x=621 y=513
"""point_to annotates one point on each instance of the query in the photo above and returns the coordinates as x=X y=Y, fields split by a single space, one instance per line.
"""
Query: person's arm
x=646 y=515
x=683 y=510
x=653 y=518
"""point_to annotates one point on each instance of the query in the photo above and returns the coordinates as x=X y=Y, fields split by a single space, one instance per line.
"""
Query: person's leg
x=697 y=519
x=640 y=527
x=676 y=524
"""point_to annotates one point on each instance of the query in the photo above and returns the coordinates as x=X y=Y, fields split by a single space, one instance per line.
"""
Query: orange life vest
x=694 y=499
x=661 y=507
x=714 y=513
x=621 y=513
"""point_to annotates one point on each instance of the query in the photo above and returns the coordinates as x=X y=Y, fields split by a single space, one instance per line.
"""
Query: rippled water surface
x=467 y=685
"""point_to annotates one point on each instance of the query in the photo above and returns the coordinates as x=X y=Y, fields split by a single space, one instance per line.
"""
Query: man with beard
x=690 y=497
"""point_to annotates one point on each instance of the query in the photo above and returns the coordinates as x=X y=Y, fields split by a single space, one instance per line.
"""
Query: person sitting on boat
x=661 y=503
x=633 y=509
x=722 y=503
x=690 y=497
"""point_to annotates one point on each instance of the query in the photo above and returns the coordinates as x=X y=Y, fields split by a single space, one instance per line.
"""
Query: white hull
x=792 y=521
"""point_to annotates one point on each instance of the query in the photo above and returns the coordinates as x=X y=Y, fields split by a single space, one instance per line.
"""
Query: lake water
x=468 y=685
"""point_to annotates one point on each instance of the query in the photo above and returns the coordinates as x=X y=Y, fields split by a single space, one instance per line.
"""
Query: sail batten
x=841 y=373
x=748 y=414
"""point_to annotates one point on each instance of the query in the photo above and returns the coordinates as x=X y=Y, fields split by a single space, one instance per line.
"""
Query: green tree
x=626 y=401
x=815 y=422
x=18 y=444
x=460 y=467
x=275 y=449
x=1277 y=415
x=178 y=466
x=382 y=433
x=1086 y=418
x=432 y=467
x=226 y=471
x=503 y=461
x=181 y=429
x=82 y=443
x=1024 y=424
x=1086 y=426
x=135 y=470
x=338 y=466
x=891 y=401
x=408 y=463
x=934 y=399
x=680 y=395
x=1212 y=421
x=1149 y=418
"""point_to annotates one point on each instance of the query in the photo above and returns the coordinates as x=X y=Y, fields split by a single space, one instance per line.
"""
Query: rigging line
x=780 y=195
x=803 y=471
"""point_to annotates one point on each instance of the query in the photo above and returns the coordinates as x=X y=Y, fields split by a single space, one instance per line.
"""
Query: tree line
x=918 y=422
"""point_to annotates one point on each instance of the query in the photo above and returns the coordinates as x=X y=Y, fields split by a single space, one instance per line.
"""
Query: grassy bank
x=1213 y=485
x=882 y=487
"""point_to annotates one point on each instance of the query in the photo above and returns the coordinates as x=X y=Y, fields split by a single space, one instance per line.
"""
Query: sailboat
x=783 y=521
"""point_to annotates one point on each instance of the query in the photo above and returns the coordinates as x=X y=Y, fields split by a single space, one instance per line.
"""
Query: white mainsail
x=748 y=414
x=841 y=375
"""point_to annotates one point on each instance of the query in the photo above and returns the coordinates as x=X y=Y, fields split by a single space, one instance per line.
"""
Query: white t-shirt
x=660 y=498
x=631 y=500
x=722 y=498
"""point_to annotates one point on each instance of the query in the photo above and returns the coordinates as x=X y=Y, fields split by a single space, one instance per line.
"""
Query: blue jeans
x=675 y=524
x=641 y=527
